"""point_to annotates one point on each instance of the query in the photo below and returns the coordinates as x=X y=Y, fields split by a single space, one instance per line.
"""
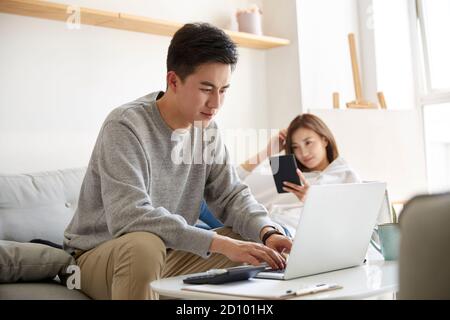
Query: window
x=435 y=24
x=437 y=137
x=433 y=21
x=394 y=65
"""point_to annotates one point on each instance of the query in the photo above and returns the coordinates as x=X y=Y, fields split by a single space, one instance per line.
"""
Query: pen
x=311 y=290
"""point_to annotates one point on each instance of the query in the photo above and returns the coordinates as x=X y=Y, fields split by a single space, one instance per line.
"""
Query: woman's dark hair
x=198 y=43
x=314 y=123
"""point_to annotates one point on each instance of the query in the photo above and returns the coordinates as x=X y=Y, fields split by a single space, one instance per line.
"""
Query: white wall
x=284 y=87
x=325 y=64
x=393 y=52
x=381 y=145
x=57 y=85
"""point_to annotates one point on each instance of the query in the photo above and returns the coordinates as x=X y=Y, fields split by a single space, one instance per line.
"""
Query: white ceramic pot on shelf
x=249 y=22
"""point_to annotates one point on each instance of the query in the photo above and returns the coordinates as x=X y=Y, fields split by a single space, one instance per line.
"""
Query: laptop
x=334 y=229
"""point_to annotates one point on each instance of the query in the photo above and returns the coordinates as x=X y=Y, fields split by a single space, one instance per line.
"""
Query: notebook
x=263 y=289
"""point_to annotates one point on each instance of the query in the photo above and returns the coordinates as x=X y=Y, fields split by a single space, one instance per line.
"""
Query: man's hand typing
x=247 y=252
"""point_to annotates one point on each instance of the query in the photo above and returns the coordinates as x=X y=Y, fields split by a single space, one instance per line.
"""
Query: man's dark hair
x=198 y=43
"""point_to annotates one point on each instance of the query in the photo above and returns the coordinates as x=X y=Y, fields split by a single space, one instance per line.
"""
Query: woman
x=318 y=160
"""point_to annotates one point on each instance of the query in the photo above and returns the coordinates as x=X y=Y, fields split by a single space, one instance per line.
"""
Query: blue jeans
x=211 y=222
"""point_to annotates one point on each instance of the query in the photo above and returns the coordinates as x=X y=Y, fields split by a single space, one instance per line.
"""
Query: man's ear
x=172 y=80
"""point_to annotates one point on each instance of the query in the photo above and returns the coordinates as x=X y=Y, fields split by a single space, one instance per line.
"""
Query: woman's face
x=310 y=149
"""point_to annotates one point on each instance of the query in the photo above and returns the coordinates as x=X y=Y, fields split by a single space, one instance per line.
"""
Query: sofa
x=37 y=207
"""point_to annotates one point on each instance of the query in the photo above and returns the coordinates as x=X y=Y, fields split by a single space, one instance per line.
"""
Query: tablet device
x=284 y=168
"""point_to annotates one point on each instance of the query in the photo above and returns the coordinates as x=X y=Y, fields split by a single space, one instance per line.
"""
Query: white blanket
x=285 y=209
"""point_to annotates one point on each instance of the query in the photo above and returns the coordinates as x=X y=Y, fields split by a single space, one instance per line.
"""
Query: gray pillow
x=38 y=205
x=31 y=262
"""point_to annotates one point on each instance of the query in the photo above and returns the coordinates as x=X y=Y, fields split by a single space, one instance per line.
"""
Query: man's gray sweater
x=136 y=182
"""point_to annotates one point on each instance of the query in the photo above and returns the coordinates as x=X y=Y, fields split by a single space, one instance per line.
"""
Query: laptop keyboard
x=275 y=271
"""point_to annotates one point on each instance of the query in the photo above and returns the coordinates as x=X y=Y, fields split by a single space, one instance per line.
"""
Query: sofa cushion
x=39 y=205
x=39 y=291
x=31 y=262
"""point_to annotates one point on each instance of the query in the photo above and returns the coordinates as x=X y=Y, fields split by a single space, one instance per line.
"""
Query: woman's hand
x=298 y=191
x=277 y=143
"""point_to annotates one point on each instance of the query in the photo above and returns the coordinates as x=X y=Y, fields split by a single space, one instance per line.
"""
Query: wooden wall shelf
x=123 y=21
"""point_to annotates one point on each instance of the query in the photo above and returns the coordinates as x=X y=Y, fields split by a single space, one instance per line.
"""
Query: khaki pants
x=123 y=268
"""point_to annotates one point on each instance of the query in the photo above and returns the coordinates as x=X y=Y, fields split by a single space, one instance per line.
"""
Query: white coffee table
x=375 y=277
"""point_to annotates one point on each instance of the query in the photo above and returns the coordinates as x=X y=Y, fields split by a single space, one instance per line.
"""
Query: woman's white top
x=285 y=208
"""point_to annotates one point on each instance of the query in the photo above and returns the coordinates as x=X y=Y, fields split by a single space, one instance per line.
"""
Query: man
x=138 y=203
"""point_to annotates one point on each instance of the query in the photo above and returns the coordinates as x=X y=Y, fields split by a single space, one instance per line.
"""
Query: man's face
x=202 y=93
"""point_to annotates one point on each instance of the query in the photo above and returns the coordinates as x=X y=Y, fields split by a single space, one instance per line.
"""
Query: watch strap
x=268 y=234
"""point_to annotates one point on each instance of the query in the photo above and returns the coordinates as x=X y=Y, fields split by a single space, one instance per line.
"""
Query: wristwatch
x=270 y=233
